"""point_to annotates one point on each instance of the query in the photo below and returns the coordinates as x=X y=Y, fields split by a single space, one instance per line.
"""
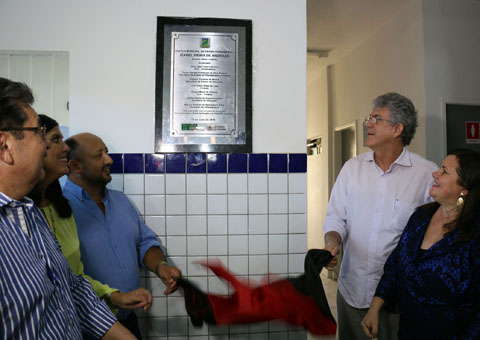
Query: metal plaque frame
x=203 y=97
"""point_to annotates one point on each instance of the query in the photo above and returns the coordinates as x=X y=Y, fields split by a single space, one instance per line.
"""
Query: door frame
x=337 y=146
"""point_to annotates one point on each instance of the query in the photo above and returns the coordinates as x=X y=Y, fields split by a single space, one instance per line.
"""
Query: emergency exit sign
x=472 y=132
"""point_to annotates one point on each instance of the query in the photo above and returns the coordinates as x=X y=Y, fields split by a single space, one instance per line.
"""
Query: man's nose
x=108 y=159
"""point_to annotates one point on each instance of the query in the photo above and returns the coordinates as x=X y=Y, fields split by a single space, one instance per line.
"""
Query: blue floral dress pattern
x=437 y=290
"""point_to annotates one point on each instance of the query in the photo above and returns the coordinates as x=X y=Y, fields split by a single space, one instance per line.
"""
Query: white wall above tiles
x=112 y=64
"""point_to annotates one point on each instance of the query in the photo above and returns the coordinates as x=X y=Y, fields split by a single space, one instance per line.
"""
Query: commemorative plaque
x=203 y=85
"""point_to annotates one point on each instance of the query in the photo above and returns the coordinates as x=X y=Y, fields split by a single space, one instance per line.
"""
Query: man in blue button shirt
x=114 y=241
x=40 y=297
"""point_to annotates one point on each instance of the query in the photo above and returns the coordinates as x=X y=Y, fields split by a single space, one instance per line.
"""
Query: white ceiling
x=338 y=26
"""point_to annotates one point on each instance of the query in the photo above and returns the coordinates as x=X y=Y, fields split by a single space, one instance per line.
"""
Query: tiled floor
x=330 y=287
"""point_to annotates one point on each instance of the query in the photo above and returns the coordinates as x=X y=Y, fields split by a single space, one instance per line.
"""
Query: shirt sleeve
x=94 y=315
x=336 y=219
x=147 y=238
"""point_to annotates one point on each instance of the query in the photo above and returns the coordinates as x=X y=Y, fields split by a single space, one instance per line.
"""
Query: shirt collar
x=6 y=201
x=403 y=159
x=78 y=192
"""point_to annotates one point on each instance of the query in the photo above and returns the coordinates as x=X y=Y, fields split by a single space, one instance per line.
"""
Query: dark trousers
x=131 y=323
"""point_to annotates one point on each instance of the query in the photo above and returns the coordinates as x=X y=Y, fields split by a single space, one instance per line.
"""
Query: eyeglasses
x=41 y=130
x=375 y=119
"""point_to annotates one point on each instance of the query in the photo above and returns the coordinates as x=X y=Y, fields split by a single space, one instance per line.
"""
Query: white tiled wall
x=253 y=223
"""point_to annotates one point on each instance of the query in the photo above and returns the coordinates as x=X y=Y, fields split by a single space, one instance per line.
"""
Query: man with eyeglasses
x=372 y=199
x=40 y=297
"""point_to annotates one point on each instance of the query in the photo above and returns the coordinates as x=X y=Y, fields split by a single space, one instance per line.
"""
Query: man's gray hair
x=401 y=110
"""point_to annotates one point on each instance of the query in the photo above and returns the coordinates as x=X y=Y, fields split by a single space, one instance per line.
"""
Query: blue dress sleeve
x=473 y=329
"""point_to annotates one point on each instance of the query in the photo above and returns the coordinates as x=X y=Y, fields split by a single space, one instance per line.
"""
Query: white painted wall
x=452 y=68
x=112 y=62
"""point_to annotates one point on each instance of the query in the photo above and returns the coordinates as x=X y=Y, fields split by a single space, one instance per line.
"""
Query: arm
x=94 y=315
x=370 y=322
x=154 y=260
x=138 y=298
x=68 y=238
x=118 y=331
x=473 y=326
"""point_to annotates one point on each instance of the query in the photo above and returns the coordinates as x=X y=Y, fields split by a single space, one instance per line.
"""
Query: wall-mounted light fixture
x=319 y=53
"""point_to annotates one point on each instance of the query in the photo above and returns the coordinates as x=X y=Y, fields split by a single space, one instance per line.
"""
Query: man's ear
x=6 y=155
x=73 y=167
x=398 y=129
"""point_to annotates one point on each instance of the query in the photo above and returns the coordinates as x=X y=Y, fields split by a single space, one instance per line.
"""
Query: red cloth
x=275 y=301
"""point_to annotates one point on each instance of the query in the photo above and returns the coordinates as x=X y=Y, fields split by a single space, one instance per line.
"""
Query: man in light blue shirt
x=372 y=199
x=114 y=241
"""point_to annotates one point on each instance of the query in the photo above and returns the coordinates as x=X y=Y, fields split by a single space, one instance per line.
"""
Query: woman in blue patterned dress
x=433 y=275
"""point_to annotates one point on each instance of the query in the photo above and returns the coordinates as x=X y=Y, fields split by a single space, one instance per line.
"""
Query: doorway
x=345 y=146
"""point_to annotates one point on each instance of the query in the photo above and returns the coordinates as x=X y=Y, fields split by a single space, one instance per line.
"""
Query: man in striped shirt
x=40 y=297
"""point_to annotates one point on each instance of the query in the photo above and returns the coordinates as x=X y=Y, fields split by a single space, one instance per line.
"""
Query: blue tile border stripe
x=175 y=163
x=257 y=163
x=297 y=162
x=133 y=163
x=277 y=163
x=154 y=163
x=208 y=163
x=197 y=163
x=217 y=163
x=117 y=166
x=237 y=163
